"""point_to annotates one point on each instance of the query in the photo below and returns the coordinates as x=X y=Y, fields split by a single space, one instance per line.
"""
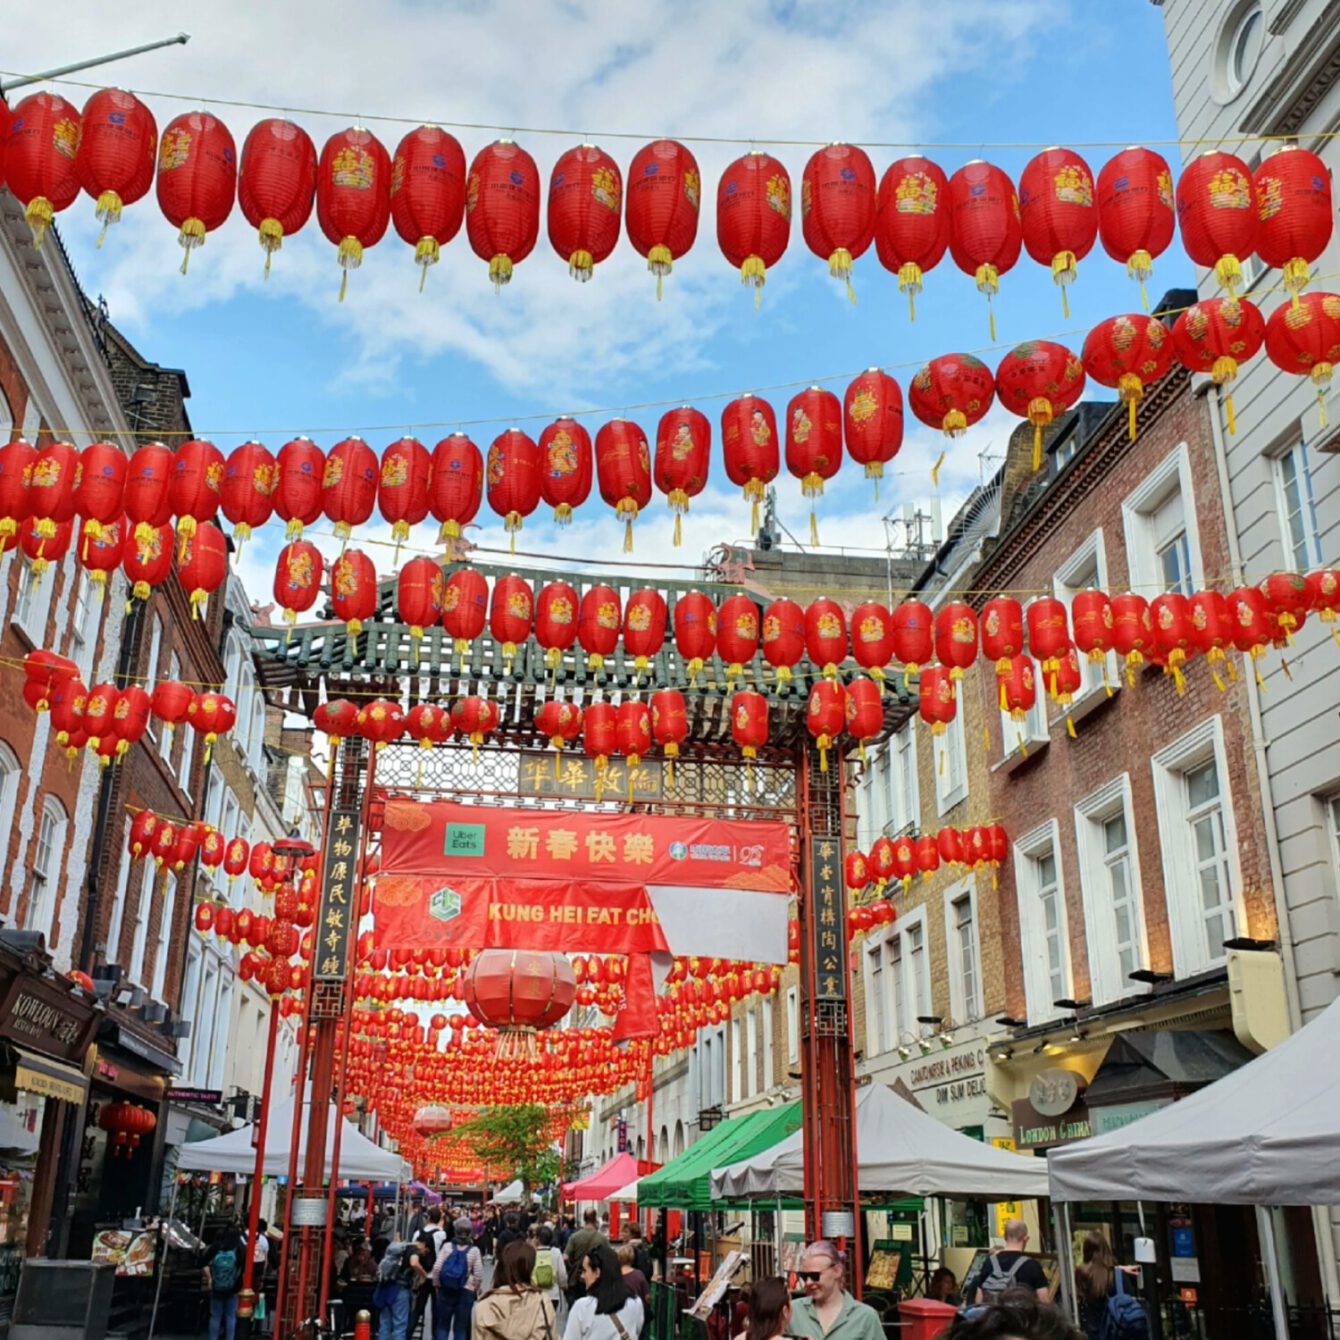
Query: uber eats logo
x=463 y=840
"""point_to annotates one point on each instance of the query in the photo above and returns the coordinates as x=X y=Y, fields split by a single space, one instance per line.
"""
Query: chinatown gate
x=505 y=844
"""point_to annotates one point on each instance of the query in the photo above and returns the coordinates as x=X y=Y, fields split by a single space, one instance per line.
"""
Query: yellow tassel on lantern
x=754 y=491
x=839 y=266
x=1223 y=373
x=1133 y=660
x=271 y=235
x=935 y=469
x=581 y=266
x=1228 y=271
x=1295 y=277
x=108 y=212
x=1039 y=415
x=627 y=509
x=660 y=262
x=350 y=256
x=1140 y=265
x=39 y=216
x=511 y=524
x=755 y=273
x=426 y=252
x=1064 y=272
x=500 y=272
x=192 y=235
x=909 y=282
x=988 y=282
x=679 y=504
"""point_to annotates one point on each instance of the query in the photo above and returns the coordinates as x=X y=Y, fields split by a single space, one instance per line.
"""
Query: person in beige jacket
x=514 y=1309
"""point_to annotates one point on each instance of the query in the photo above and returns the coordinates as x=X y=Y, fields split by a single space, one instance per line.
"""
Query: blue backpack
x=1125 y=1317
x=223 y=1272
x=455 y=1269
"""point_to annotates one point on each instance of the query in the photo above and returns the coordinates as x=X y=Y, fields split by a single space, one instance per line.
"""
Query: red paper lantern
x=623 y=470
x=880 y=861
x=904 y=861
x=195 y=485
x=825 y=716
x=68 y=705
x=51 y=486
x=115 y=159
x=349 y=485
x=17 y=459
x=565 y=467
x=402 y=486
x=1037 y=381
x=1212 y=631
x=245 y=496
x=952 y=393
x=695 y=631
x=337 y=720
x=669 y=723
x=913 y=636
x=749 y=723
x=813 y=444
x=147 y=560
x=826 y=636
x=502 y=208
x=100 y=554
x=142 y=829
x=683 y=453
x=865 y=711
x=1048 y=636
x=644 y=622
x=381 y=723
x=457 y=484
x=511 y=613
x=298 y=576
x=912 y=222
x=784 y=639
x=1132 y=633
x=1288 y=596
x=585 y=201
x=599 y=737
x=872 y=639
x=300 y=473
x=518 y=992
x=277 y=185
x=171 y=702
x=985 y=234
x=1057 y=214
x=599 y=623
x=855 y=872
x=872 y=421
x=956 y=638
x=1173 y=633
x=1217 y=213
x=556 y=621
x=754 y=216
x=1135 y=211
x=419 y=596
x=514 y=479
x=100 y=482
x=1216 y=336
x=1019 y=692
x=561 y=723
x=1324 y=593
x=353 y=592
x=100 y=716
x=197 y=178
x=40 y=158
x=632 y=730
x=1249 y=617
x=837 y=207
x=353 y=195
x=936 y=698
x=949 y=843
x=1303 y=338
x=427 y=193
x=1002 y=636
x=1128 y=353
x=737 y=634
x=130 y=717
x=1293 y=197
x=465 y=602
x=664 y=196
x=749 y=445
x=204 y=565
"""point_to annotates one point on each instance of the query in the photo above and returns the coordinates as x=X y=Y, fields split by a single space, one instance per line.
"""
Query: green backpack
x=542 y=1277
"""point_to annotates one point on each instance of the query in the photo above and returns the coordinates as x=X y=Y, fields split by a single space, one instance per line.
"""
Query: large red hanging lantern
x=585 y=205
x=337 y=720
x=427 y=193
x=1128 y=354
x=511 y=613
x=171 y=702
x=502 y=208
x=1249 y=618
x=737 y=634
x=599 y=738
x=353 y=195
x=951 y=393
x=872 y=639
x=428 y=725
x=518 y=993
x=865 y=711
x=211 y=715
x=195 y=486
x=68 y=704
x=300 y=474
x=465 y=602
x=632 y=732
x=754 y=216
x=561 y=723
x=826 y=636
x=749 y=723
x=855 y=872
x=1002 y=636
x=402 y=486
x=51 y=488
x=432 y=1120
x=669 y=724
x=683 y=455
x=912 y=222
x=1293 y=197
x=40 y=158
x=1216 y=336
x=298 y=576
x=1288 y=597
x=813 y=444
x=115 y=160
x=556 y=621
x=664 y=197
x=1217 y=213
x=1057 y=214
x=872 y=422
x=623 y=470
x=457 y=485
x=1303 y=338
x=956 y=638
x=513 y=474
x=1132 y=632
x=1019 y=693
x=565 y=467
x=599 y=623
x=381 y=723
x=913 y=636
x=102 y=546
x=1212 y=632
x=17 y=459
x=353 y=592
x=419 y=596
x=837 y=207
x=277 y=184
x=250 y=476
x=1173 y=633
x=1048 y=636
x=148 y=491
x=695 y=631
x=349 y=485
x=751 y=448
x=147 y=560
x=825 y=716
x=644 y=622
x=197 y=178
x=1037 y=381
x=985 y=235
x=1135 y=211
x=204 y=565
x=1324 y=593
x=100 y=483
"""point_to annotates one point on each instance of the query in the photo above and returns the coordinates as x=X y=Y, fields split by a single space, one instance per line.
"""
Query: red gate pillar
x=832 y=1201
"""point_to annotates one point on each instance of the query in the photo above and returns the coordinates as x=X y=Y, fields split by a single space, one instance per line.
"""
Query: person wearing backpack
x=1106 y=1310
x=391 y=1298
x=551 y=1273
x=514 y=1308
x=222 y=1277
x=458 y=1275
x=1010 y=1268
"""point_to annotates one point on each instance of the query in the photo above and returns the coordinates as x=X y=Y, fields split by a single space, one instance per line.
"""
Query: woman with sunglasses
x=828 y=1311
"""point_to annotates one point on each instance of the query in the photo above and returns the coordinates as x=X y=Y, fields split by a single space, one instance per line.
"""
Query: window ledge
x=945 y=803
x=1086 y=704
x=1016 y=758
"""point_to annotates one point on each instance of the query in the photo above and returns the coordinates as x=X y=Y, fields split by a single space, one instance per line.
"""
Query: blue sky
x=272 y=359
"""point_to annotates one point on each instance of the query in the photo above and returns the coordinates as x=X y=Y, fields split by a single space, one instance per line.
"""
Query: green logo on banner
x=445 y=904
x=464 y=840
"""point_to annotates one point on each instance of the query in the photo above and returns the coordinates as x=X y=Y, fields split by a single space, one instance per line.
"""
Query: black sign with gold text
x=828 y=919
x=338 y=911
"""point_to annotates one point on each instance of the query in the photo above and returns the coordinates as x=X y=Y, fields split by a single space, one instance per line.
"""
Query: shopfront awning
x=48 y=1077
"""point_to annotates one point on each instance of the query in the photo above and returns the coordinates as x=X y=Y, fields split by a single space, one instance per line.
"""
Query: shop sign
x=952 y=1084
x=337 y=911
x=574 y=776
x=1114 y=1118
x=1054 y=1091
x=1038 y=1130
x=38 y=1014
x=828 y=921
x=202 y=1097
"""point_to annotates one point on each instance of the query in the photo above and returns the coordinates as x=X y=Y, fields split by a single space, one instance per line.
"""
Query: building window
x=1162 y=540
x=1043 y=931
x=1110 y=883
x=1297 y=508
x=964 y=956
x=918 y=975
x=1086 y=570
x=1198 y=836
x=1240 y=46
x=950 y=754
x=750 y=1051
x=187 y=758
x=83 y=626
x=204 y=1022
x=793 y=1016
x=33 y=603
x=765 y=1010
x=48 y=860
x=883 y=993
x=10 y=774
x=164 y=945
x=888 y=801
x=112 y=954
x=143 y=906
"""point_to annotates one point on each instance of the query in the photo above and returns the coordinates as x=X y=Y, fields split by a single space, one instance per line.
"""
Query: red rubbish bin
x=924 y=1318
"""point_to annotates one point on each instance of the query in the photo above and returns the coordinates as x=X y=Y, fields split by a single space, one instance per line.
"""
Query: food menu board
x=716 y=1287
x=132 y=1253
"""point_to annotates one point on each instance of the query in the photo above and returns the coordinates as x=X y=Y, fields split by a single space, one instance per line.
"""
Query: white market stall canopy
x=512 y=1194
x=360 y=1159
x=1267 y=1134
x=627 y=1194
x=899 y=1150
